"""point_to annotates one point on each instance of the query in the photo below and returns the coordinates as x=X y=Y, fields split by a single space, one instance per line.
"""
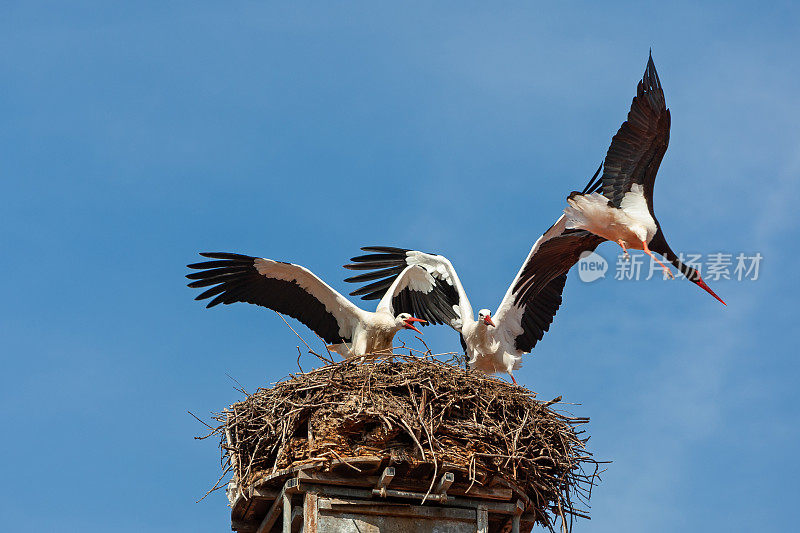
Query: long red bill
x=702 y=284
x=488 y=321
x=409 y=325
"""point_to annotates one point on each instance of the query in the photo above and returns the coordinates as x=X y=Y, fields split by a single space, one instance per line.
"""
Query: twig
x=195 y=417
x=293 y=331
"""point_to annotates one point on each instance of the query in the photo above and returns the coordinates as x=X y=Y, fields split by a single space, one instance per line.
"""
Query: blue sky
x=137 y=135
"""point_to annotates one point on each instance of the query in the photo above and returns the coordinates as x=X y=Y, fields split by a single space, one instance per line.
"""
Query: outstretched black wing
x=553 y=257
x=638 y=147
x=283 y=287
x=538 y=313
x=436 y=300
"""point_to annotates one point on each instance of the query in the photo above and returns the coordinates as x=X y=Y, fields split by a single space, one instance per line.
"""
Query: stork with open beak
x=618 y=206
x=295 y=291
x=491 y=343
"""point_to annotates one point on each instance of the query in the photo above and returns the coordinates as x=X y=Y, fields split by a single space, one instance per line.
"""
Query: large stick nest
x=413 y=409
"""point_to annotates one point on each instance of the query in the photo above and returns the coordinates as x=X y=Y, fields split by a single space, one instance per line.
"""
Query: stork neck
x=670 y=256
x=690 y=273
x=481 y=329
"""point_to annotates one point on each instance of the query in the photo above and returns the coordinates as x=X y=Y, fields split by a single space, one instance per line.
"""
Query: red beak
x=488 y=321
x=702 y=284
x=409 y=325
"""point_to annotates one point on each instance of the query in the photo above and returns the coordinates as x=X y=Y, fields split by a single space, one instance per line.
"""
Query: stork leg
x=514 y=380
x=648 y=252
x=625 y=253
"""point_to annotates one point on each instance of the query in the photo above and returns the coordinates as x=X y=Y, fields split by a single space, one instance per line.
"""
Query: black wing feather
x=369 y=276
x=436 y=306
x=236 y=279
x=386 y=265
x=554 y=258
x=539 y=314
x=638 y=147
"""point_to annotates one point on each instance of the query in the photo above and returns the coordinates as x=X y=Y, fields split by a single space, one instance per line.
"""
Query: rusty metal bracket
x=384 y=480
x=290 y=487
x=444 y=483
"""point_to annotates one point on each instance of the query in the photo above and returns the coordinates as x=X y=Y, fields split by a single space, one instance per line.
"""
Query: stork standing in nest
x=295 y=291
x=491 y=343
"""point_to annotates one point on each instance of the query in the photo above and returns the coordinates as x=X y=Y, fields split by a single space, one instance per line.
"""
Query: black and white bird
x=491 y=343
x=295 y=291
x=619 y=206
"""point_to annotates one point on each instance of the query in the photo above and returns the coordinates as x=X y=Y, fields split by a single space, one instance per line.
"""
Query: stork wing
x=543 y=263
x=412 y=291
x=524 y=323
x=283 y=287
x=638 y=147
x=432 y=290
x=533 y=298
x=551 y=256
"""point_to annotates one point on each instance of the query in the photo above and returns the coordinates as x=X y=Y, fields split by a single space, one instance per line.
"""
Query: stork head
x=406 y=321
x=485 y=316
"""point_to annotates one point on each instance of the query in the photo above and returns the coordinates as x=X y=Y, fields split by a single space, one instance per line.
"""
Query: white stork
x=619 y=206
x=491 y=344
x=624 y=213
x=295 y=291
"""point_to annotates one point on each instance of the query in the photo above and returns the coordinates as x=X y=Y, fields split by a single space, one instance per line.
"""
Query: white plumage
x=295 y=291
x=491 y=344
x=631 y=225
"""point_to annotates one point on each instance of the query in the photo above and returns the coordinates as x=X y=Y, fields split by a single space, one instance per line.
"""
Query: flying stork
x=295 y=291
x=619 y=206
